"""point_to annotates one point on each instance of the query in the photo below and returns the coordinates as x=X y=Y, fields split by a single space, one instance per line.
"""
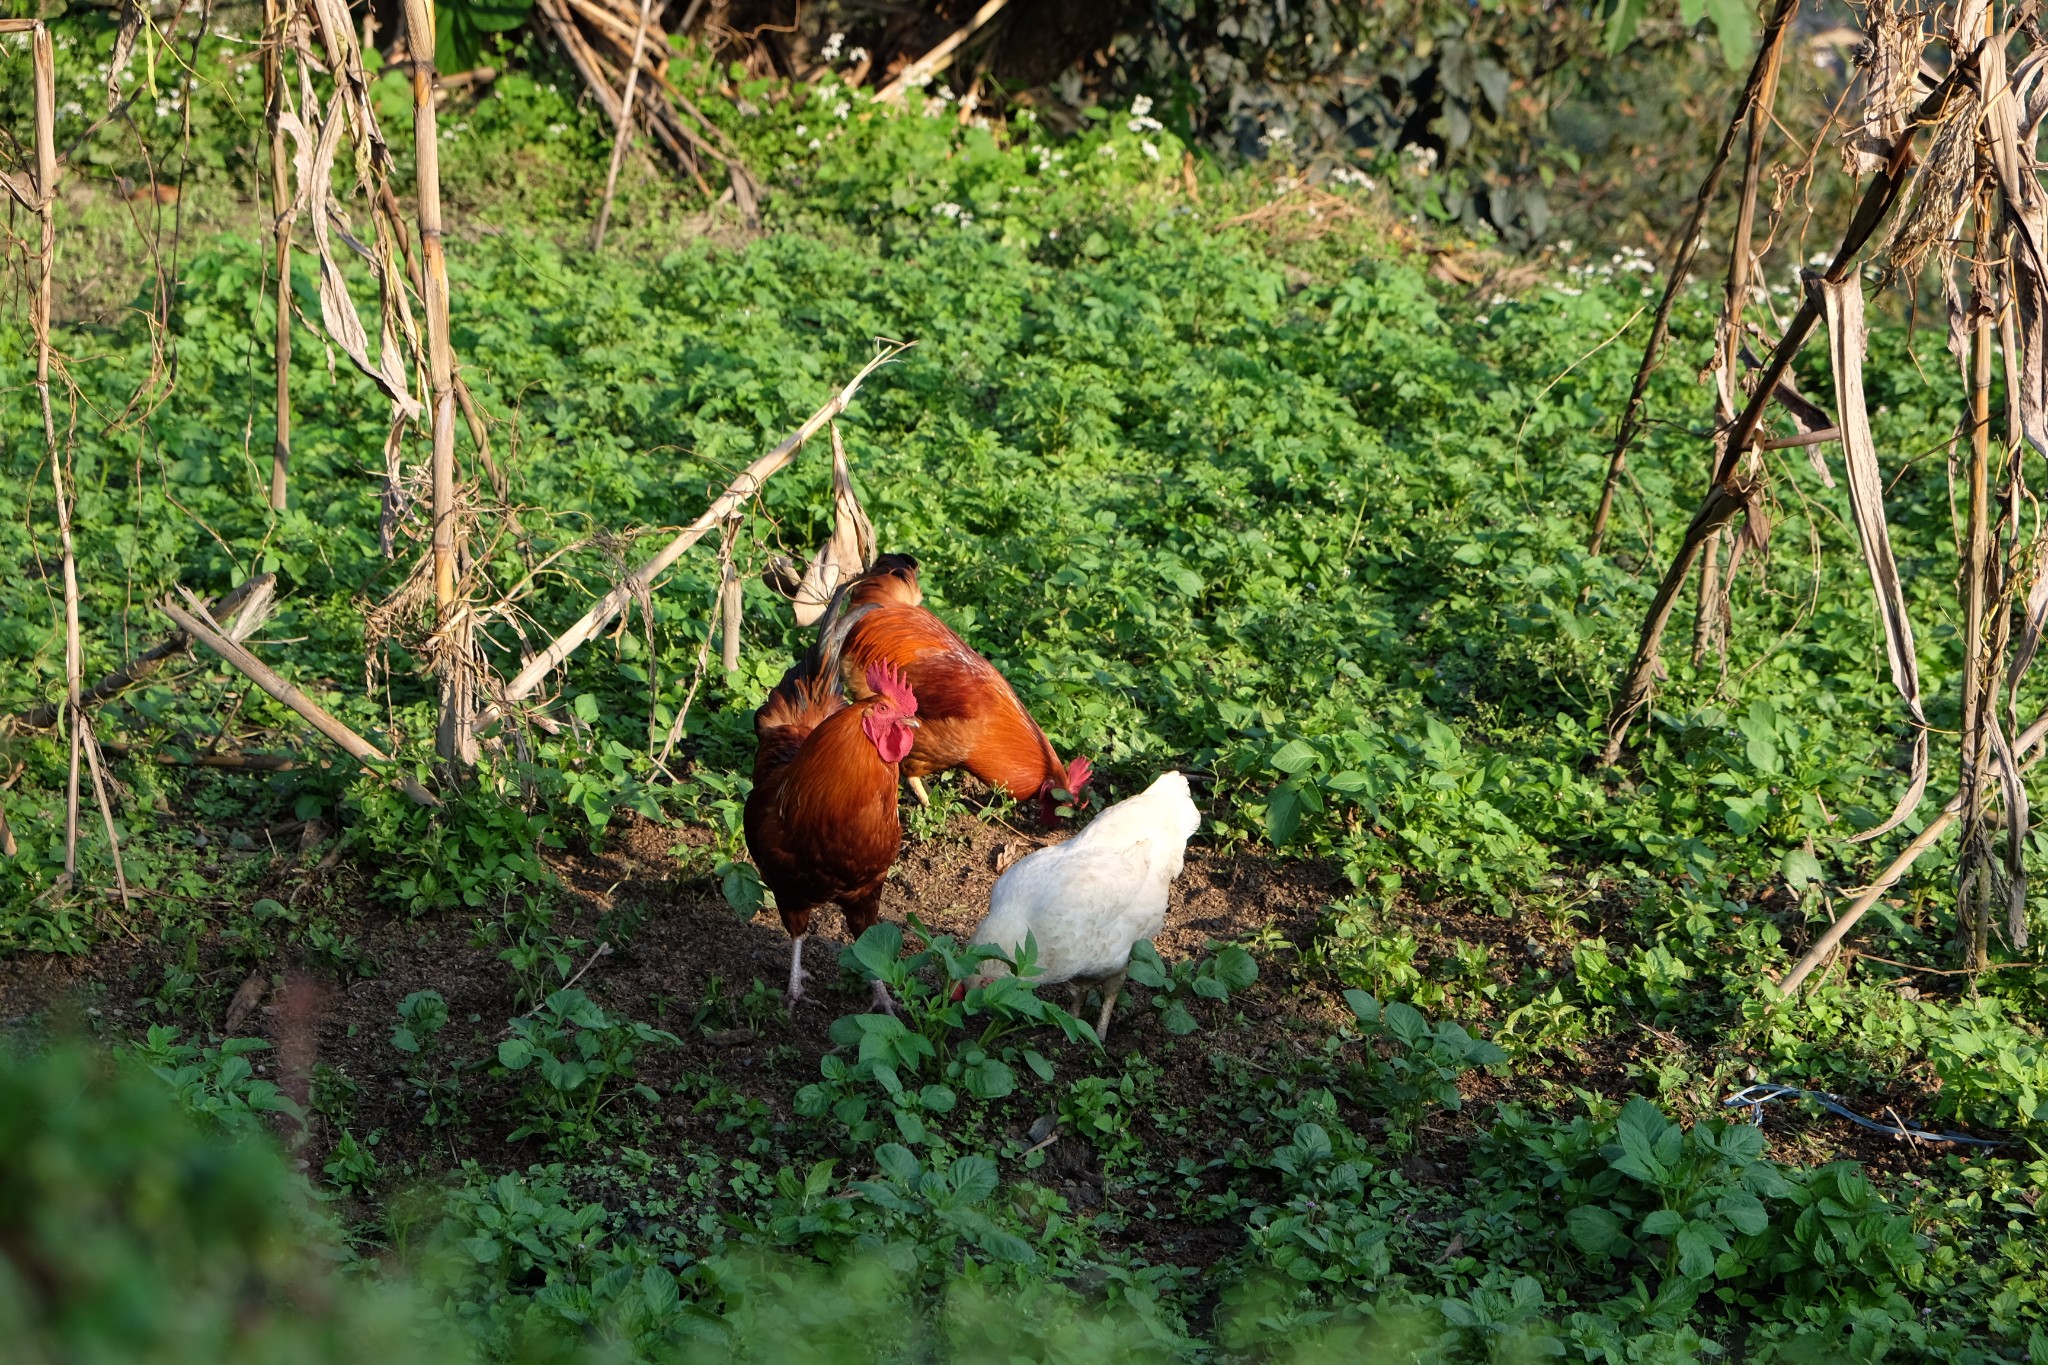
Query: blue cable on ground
x=1754 y=1097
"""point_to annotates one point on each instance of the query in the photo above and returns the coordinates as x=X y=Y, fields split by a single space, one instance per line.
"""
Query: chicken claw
x=917 y=790
x=884 y=1004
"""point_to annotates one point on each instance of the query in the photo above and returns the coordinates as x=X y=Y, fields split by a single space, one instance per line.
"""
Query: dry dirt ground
x=682 y=960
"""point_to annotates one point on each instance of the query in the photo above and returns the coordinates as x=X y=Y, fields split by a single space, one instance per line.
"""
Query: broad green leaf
x=1293 y=756
x=1623 y=18
x=1735 y=26
x=973 y=1178
x=1595 y=1230
x=1236 y=968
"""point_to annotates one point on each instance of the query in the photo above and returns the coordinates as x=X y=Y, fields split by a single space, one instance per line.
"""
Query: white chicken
x=1087 y=902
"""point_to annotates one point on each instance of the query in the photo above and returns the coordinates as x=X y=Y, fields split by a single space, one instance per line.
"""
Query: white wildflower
x=1151 y=152
x=833 y=45
x=947 y=209
x=842 y=109
x=815 y=144
x=856 y=56
x=1141 y=106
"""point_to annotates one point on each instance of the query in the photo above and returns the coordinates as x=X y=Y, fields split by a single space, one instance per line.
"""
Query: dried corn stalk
x=606 y=40
x=1979 y=172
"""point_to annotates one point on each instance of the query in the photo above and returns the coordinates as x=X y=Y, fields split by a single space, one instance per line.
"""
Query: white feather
x=1088 y=902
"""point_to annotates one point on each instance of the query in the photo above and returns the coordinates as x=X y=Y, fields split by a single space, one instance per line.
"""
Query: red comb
x=889 y=682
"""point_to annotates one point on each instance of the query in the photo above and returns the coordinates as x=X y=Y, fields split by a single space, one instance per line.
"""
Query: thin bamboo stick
x=282 y=201
x=260 y=673
x=642 y=580
x=228 y=608
x=1708 y=626
x=99 y=791
x=44 y=76
x=452 y=736
x=1978 y=668
x=624 y=133
x=1682 y=254
x=936 y=60
x=1910 y=854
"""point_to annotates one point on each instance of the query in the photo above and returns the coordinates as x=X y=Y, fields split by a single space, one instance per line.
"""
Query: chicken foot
x=917 y=790
x=884 y=1002
x=1112 y=987
x=796 y=971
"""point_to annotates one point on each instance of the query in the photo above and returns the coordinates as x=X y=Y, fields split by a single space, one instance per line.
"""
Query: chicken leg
x=796 y=971
x=917 y=790
x=1112 y=987
x=884 y=1003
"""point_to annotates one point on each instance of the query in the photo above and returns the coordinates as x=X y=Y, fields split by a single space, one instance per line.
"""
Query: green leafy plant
x=423 y=1016
x=218 y=1083
x=1227 y=969
x=541 y=961
x=576 y=1067
x=1411 y=1066
x=895 y=1053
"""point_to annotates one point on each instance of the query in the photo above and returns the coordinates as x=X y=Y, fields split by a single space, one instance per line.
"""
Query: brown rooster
x=821 y=821
x=970 y=717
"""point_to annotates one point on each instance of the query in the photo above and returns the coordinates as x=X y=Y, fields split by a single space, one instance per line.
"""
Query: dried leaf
x=338 y=315
x=1848 y=338
x=847 y=553
x=1895 y=41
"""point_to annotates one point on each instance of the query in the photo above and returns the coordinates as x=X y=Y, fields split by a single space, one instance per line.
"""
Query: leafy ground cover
x=1432 y=1058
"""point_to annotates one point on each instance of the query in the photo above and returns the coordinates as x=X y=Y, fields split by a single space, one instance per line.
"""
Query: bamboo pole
x=43 y=74
x=1683 y=252
x=453 y=740
x=624 y=133
x=642 y=579
x=282 y=201
x=260 y=673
